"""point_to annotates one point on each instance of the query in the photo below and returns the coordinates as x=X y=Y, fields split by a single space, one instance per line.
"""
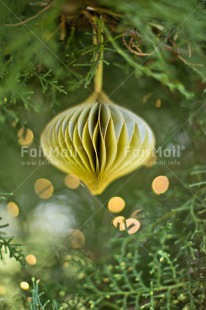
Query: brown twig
x=132 y=45
x=189 y=63
x=176 y=51
x=23 y=22
x=173 y=50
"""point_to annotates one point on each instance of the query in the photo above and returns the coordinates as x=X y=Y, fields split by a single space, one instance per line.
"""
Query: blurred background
x=46 y=67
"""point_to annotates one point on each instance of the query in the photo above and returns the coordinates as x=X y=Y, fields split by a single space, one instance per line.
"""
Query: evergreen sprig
x=149 y=44
x=160 y=269
x=7 y=246
x=34 y=302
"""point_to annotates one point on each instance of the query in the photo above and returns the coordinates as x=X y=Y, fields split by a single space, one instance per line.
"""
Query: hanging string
x=98 y=40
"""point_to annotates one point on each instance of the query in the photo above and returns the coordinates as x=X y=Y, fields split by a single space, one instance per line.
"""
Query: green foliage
x=39 y=58
x=46 y=83
x=157 y=269
x=162 y=267
x=7 y=246
x=35 y=302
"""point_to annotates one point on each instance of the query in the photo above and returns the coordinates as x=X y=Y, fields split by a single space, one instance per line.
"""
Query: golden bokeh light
x=13 y=209
x=24 y=286
x=132 y=225
x=77 y=239
x=3 y=290
x=43 y=188
x=116 y=204
x=160 y=184
x=31 y=259
x=72 y=181
x=25 y=136
x=118 y=222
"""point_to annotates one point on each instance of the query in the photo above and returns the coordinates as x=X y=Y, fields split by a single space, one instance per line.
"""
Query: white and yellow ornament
x=97 y=140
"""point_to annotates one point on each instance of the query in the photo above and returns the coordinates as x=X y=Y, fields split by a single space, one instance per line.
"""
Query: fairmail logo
x=171 y=151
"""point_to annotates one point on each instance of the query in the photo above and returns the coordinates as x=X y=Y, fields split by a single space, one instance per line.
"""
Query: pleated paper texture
x=98 y=141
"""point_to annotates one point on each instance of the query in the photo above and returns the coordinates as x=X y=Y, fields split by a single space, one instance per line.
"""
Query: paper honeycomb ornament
x=98 y=141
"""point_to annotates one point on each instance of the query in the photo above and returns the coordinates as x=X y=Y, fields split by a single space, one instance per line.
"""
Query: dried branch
x=175 y=51
x=179 y=52
x=132 y=45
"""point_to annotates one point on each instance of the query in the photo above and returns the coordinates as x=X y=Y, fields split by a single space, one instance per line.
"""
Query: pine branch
x=130 y=282
x=47 y=83
x=7 y=246
x=35 y=301
x=141 y=69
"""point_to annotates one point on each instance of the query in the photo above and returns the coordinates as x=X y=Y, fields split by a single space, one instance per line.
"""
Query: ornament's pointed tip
x=96 y=190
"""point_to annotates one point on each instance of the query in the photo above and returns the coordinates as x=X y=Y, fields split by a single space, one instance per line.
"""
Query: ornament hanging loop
x=98 y=41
